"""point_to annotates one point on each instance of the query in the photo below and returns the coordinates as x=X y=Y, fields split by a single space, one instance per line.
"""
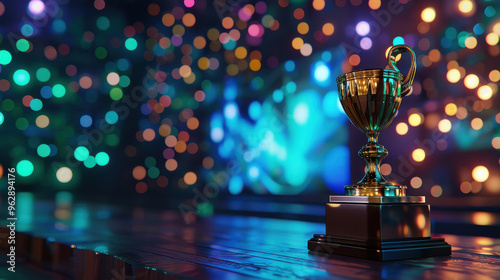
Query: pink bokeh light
x=189 y=3
x=36 y=7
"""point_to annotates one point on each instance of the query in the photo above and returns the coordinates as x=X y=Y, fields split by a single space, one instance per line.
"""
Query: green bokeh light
x=124 y=81
x=153 y=172
x=81 y=153
x=43 y=74
x=112 y=140
x=58 y=90
x=131 y=44
x=21 y=77
x=89 y=162
x=102 y=158
x=8 y=105
x=23 y=45
x=116 y=93
x=25 y=168
x=36 y=104
x=150 y=162
x=103 y=23
x=22 y=123
x=43 y=150
x=101 y=53
x=5 y=57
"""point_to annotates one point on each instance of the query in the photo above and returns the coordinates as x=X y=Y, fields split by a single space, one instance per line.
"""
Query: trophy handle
x=408 y=78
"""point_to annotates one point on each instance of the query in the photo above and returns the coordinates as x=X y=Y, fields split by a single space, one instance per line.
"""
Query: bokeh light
x=480 y=173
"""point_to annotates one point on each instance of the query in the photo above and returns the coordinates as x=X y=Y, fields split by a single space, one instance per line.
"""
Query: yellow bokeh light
x=416 y=182
x=444 y=125
x=450 y=109
x=418 y=155
x=374 y=4
x=476 y=123
x=190 y=178
x=402 y=128
x=318 y=5
x=480 y=173
x=436 y=191
x=465 y=6
x=64 y=174
x=328 y=29
x=42 y=121
x=453 y=75
x=470 y=42
x=484 y=92
x=255 y=65
x=492 y=39
x=471 y=81
x=428 y=14
x=483 y=218
x=496 y=28
x=415 y=119
x=297 y=43
x=303 y=28
x=185 y=71
x=240 y=52
x=494 y=76
x=495 y=142
x=465 y=187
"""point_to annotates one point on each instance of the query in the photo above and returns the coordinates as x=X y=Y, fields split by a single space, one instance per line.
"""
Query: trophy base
x=379 y=228
x=387 y=251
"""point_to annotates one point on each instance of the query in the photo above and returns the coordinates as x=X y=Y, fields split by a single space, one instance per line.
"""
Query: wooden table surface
x=102 y=242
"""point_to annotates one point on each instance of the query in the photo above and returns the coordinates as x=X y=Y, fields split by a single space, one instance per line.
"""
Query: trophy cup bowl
x=371 y=99
x=375 y=219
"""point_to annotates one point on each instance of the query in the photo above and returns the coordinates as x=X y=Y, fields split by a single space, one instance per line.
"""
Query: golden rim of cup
x=370 y=73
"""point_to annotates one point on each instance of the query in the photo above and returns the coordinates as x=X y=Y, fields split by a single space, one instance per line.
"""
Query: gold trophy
x=375 y=219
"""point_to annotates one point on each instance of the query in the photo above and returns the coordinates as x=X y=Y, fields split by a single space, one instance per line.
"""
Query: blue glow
x=231 y=110
x=254 y=110
x=145 y=109
x=398 y=41
x=301 y=113
x=230 y=90
x=296 y=170
x=490 y=11
x=27 y=30
x=227 y=148
x=337 y=159
x=229 y=45
x=291 y=87
x=326 y=56
x=123 y=64
x=111 y=117
x=321 y=72
x=58 y=26
x=216 y=130
x=53 y=150
x=2 y=118
x=478 y=29
x=46 y=92
x=253 y=172
x=445 y=42
x=331 y=104
x=290 y=66
x=235 y=185
x=278 y=95
x=81 y=217
x=86 y=121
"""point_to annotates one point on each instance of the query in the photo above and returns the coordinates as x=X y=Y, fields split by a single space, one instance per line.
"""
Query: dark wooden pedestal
x=378 y=228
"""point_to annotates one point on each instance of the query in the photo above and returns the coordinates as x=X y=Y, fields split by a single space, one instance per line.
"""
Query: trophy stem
x=373 y=183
